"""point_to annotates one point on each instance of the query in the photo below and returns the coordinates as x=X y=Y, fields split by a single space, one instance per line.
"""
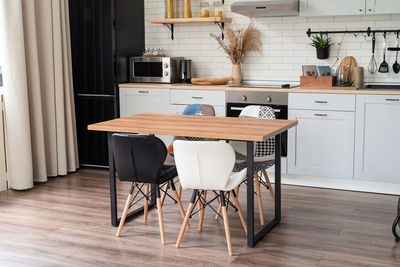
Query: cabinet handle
x=236 y=108
x=144 y=92
x=320 y=114
x=321 y=102
x=197 y=97
x=392 y=99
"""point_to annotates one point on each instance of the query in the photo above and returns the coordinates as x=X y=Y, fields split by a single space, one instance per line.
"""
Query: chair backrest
x=197 y=110
x=204 y=165
x=262 y=150
x=138 y=158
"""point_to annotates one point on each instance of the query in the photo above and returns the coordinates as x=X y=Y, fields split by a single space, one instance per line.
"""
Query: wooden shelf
x=171 y=22
x=191 y=20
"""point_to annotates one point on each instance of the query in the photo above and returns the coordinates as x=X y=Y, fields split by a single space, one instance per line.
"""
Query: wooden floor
x=66 y=221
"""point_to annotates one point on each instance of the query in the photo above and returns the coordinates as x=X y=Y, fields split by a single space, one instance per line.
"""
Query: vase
x=187 y=10
x=236 y=74
x=322 y=53
x=169 y=9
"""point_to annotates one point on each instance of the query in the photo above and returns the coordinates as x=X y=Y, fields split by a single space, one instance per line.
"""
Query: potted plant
x=236 y=46
x=322 y=44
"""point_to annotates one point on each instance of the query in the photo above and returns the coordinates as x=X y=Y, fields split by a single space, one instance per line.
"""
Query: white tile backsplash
x=285 y=43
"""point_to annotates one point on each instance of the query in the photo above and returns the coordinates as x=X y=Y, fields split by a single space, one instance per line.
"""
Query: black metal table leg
x=113 y=190
x=251 y=238
x=396 y=223
x=250 y=194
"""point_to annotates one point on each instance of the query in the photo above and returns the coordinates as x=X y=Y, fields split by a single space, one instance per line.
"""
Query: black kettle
x=185 y=71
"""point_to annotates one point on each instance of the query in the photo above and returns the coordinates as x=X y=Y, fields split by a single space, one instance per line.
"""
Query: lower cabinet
x=145 y=100
x=377 y=146
x=322 y=144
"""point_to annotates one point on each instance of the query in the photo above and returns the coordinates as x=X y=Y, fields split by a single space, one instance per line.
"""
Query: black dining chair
x=139 y=159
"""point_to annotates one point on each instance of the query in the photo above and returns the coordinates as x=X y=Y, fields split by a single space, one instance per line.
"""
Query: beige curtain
x=39 y=102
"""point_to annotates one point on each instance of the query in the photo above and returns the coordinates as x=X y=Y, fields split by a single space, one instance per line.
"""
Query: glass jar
x=218 y=9
x=204 y=10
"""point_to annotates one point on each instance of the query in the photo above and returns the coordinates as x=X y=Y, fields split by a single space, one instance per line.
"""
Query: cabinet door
x=383 y=7
x=322 y=144
x=377 y=150
x=144 y=100
x=335 y=8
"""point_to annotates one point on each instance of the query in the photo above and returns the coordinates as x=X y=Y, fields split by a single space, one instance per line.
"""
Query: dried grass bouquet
x=239 y=42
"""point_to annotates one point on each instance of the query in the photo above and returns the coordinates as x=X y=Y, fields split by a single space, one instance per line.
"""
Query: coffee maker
x=185 y=71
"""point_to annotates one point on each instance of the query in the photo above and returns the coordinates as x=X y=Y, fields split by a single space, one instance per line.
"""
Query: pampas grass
x=239 y=42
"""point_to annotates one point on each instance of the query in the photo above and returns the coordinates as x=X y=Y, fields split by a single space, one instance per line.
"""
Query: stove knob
x=244 y=98
x=166 y=73
x=269 y=98
x=166 y=65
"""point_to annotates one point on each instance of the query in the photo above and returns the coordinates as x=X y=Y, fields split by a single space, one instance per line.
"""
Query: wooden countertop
x=226 y=128
x=322 y=90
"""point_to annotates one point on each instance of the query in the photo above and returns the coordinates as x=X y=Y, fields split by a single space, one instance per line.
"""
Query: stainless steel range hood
x=269 y=8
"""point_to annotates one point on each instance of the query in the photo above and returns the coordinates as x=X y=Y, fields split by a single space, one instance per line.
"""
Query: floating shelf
x=171 y=22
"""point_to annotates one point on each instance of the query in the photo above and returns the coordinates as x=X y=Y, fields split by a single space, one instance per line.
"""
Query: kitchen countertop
x=322 y=90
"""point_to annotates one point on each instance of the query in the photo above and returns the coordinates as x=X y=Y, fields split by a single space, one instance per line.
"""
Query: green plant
x=321 y=41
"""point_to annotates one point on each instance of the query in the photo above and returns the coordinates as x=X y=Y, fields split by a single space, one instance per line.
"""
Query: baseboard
x=341 y=184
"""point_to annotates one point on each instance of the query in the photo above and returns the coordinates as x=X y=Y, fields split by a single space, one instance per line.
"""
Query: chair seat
x=236 y=179
x=258 y=166
x=167 y=173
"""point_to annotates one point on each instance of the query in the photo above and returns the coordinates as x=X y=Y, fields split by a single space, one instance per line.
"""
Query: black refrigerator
x=104 y=34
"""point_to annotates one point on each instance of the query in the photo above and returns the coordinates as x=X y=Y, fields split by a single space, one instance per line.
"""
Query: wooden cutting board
x=211 y=81
x=350 y=63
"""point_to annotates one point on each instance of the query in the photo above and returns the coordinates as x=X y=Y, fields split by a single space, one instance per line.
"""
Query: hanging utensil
x=384 y=67
x=396 y=66
x=372 y=67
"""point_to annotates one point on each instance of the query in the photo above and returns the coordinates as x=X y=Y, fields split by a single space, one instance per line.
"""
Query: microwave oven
x=154 y=69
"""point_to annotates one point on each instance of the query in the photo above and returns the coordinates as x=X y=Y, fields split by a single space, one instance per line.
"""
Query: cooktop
x=380 y=87
x=267 y=84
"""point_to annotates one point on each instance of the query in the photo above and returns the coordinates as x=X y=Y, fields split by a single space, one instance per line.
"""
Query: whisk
x=373 y=67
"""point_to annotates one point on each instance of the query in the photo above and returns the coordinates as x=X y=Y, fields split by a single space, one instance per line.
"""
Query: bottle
x=187 y=10
x=204 y=10
x=169 y=9
x=218 y=9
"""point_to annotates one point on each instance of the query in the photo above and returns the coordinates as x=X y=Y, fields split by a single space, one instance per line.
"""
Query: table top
x=226 y=128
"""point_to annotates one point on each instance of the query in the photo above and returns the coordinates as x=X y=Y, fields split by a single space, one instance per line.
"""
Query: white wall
x=285 y=43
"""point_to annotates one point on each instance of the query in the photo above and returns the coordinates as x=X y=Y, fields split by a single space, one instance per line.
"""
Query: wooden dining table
x=248 y=130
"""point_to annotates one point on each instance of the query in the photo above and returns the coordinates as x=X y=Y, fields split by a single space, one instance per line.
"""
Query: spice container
x=169 y=9
x=204 y=10
x=218 y=9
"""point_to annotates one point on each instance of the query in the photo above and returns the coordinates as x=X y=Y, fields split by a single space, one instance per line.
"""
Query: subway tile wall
x=285 y=41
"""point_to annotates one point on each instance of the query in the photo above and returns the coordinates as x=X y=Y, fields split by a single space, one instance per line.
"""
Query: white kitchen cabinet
x=382 y=7
x=180 y=99
x=333 y=8
x=377 y=147
x=322 y=144
x=145 y=100
x=314 y=8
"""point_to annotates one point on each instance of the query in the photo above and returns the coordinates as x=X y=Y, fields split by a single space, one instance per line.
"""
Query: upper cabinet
x=382 y=6
x=334 y=8
x=314 y=8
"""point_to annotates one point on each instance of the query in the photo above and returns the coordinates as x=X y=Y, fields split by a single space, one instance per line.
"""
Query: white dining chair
x=208 y=165
x=264 y=154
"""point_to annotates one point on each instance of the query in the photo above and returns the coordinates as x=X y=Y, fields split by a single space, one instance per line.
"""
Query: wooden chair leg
x=259 y=198
x=164 y=194
x=201 y=212
x=180 y=190
x=237 y=190
x=146 y=202
x=178 y=200
x=186 y=220
x=126 y=208
x=160 y=215
x=226 y=224
x=242 y=219
x=271 y=190
x=219 y=207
